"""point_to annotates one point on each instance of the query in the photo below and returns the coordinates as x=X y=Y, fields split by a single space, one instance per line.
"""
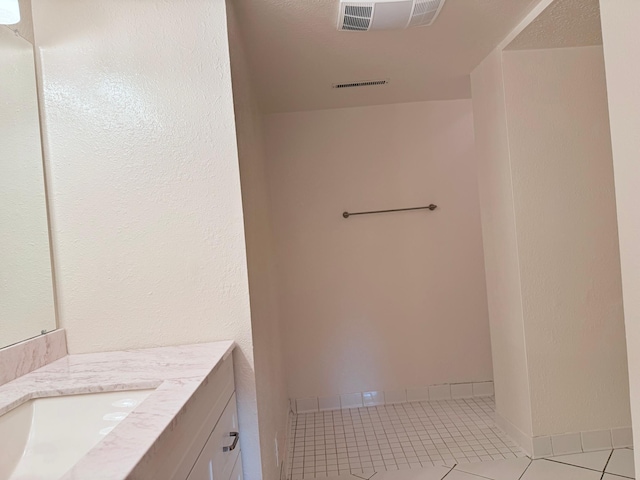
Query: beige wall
x=564 y=202
x=273 y=403
x=26 y=288
x=379 y=302
x=550 y=237
x=510 y=369
x=144 y=183
x=620 y=19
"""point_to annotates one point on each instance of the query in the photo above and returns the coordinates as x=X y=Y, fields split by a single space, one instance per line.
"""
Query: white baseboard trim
x=446 y=391
x=566 y=443
x=524 y=441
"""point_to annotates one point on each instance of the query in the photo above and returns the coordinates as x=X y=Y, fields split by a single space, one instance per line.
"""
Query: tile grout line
x=606 y=464
x=525 y=470
x=472 y=474
x=580 y=466
x=446 y=474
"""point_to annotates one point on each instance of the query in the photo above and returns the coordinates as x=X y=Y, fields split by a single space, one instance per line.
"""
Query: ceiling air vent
x=365 y=15
x=425 y=12
x=369 y=83
x=356 y=17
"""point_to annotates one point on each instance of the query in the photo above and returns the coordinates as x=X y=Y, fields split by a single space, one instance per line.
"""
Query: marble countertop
x=174 y=372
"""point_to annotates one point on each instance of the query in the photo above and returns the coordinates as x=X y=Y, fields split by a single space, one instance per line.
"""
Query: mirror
x=26 y=287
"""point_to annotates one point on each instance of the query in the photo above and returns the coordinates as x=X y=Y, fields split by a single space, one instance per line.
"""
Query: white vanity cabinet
x=203 y=441
x=237 y=471
x=219 y=455
x=179 y=405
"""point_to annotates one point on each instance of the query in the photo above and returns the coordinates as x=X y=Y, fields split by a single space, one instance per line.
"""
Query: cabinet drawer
x=218 y=458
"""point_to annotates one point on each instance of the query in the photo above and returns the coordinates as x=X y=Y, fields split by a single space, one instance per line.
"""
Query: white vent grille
x=368 y=83
x=367 y=15
x=358 y=11
x=425 y=12
x=356 y=17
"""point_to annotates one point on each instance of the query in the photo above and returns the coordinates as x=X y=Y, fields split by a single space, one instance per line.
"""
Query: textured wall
x=379 y=302
x=620 y=19
x=273 y=403
x=510 y=375
x=144 y=182
x=26 y=289
x=564 y=201
x=542 y=141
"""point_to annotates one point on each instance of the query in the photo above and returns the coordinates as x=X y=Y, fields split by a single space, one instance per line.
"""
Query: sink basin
x=43 y=438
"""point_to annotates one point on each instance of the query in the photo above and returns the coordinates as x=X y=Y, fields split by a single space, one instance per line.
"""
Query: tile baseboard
x=389 y=397
x=579 y=442
x=288 y=446
x=566 y=443
x=524 y=441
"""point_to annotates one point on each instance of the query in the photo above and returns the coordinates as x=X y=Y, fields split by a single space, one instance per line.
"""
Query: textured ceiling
x=564 y=23
x=296 y=52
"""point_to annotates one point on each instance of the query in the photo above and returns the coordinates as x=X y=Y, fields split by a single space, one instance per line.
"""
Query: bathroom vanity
x=161 y=413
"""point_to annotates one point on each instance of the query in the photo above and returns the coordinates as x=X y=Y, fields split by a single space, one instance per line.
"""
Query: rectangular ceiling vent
x=369 y=83
x=365 y=15
x=425 y=12
x=356 y=17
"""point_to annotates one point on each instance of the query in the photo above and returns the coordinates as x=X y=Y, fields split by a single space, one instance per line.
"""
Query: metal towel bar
x=431 y=207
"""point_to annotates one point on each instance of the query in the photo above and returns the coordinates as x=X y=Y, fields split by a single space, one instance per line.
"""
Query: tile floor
x=606 y=465
x=363 y=441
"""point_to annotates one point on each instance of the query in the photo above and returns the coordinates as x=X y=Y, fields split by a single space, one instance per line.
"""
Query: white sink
x=43 y=438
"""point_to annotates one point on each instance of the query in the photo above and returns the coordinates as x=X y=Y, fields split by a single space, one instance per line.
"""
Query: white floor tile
x=621 y=463
x=364 y=475
x=344 y=477
x=399 y=437
x=457 y=475
x=546 y=470
x=431 y=473
x=592 y=460
x=511 y=469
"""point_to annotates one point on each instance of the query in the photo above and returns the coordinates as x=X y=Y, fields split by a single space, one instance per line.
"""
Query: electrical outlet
x=277 y=452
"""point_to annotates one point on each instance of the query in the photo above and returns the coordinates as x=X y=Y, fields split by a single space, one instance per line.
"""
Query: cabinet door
x=237 y=471
x=217 y=459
